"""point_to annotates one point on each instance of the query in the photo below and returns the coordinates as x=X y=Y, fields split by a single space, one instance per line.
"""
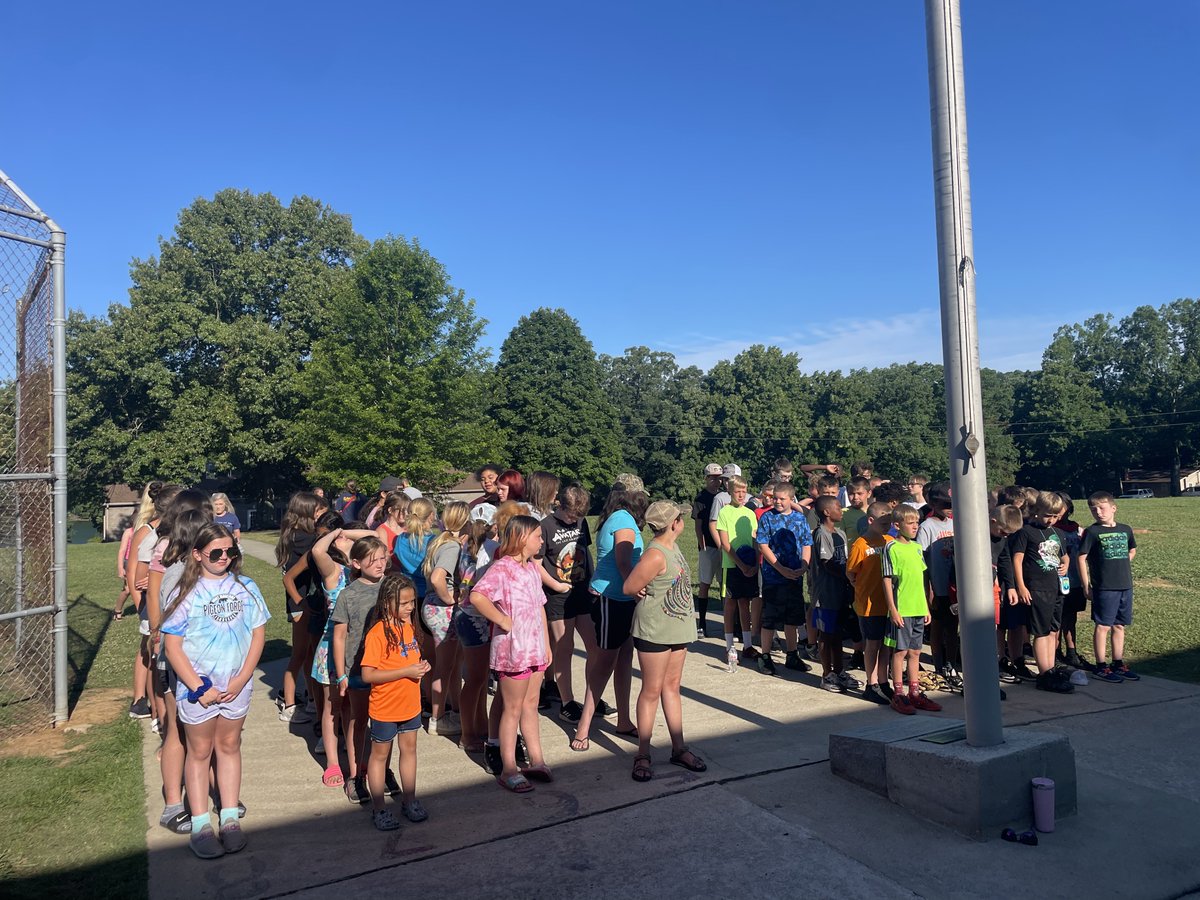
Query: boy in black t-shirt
x=708 y=566
x=1040 y=560
x=1105 y=554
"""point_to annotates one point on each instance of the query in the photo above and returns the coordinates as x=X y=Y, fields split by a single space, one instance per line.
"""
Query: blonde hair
x=735 y=481
x=455 y=517
x=419 y=521
x=1048 y=503
x=145 y=511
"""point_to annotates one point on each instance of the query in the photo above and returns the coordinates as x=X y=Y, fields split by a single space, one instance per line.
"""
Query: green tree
x=397 y=380
x=202 y=368
x=549 y=399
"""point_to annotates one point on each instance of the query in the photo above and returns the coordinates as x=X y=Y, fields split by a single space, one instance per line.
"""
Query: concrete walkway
x=767 y=817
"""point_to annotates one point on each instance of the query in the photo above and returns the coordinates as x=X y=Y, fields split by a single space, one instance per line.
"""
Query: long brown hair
x=301 y=515
x=541 y=488
x=192 y=568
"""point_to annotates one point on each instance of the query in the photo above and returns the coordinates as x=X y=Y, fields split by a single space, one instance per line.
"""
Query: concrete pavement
x=767 y=817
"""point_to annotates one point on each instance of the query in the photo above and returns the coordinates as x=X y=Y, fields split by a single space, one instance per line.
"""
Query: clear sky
x=694 y=176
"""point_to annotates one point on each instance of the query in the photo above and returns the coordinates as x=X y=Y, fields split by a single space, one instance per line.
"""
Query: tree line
x=273 y=344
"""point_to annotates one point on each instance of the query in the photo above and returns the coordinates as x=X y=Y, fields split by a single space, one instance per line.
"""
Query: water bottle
x=1064 y=584
x=733 y=660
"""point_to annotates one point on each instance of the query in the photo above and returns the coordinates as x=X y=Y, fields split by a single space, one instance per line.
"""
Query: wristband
x=342 y=678
x=205 y=685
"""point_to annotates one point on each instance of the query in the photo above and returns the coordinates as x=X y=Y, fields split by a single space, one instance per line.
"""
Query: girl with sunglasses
x=213 y=633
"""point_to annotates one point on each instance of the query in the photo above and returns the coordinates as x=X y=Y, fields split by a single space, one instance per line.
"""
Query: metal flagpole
x=960 y=354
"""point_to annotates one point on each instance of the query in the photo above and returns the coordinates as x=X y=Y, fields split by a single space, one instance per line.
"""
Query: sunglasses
x=232 y=552
x=1028 y=838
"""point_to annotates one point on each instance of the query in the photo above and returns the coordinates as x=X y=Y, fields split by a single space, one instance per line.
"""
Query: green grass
x=75 y=821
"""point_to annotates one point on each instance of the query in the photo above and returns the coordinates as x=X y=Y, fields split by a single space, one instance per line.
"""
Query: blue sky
x=692 y=176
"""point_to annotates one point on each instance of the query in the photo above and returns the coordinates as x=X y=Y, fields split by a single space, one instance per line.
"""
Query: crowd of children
x=400 y=615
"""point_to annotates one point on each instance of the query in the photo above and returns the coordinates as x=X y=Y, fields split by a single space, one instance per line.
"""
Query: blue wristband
x=343 y=678
x=205 y=685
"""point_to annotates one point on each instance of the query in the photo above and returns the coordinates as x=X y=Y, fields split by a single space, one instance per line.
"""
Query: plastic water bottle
x=732 y=658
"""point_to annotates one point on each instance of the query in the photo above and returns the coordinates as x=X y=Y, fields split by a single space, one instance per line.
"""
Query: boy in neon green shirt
x=906 y=588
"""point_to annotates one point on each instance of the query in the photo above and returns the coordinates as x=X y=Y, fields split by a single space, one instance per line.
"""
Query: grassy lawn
x=89 y=780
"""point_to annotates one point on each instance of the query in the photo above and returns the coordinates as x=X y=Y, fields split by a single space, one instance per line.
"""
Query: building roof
x=1153 y=476
x=121 y=494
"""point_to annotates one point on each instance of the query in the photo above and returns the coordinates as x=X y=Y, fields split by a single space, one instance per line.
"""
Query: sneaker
x=953 y=679
x=888 y=691
x=446 y=725
x=750 y=654
x=603 y=709
x=700 y=635
x=922 y=702
x=233 y=838
x=1125 y=672
x=391 y=785
x=544 y=699
x=523 y=761
x=384 y=820
x=356 y=790
x=857 y=661
x=848 y=682
x=1054 y=682
x=875 y=694
x=813 y=652
x=319 y=749
x=140 y=709
x=311 y=707
x=766 y=665
x=1024 y=672
x=1008 y=672
x=1104 y=672
x=795 y=663
x=571 y=712
x=832 y=684
x=552 y=691
x=492 y=764
x=205 y=844
x=1079 y=662
x=901 y=705
x=156 y=726
x=294 y=715
x=414 y=811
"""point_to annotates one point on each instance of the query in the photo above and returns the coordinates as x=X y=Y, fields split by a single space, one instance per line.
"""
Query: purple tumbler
x=1043 y=804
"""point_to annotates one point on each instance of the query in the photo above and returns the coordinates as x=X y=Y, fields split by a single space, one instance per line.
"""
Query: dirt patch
x=98 y=707
x=1142 y=531
x=1160 y=583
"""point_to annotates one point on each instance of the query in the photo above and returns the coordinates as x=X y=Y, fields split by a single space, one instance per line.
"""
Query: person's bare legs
x=623 y=684
x=141 y=670
x=562 y=650
x=406 y=743
x=599 y=669
x=1043 y=651
x=380 y=753
x=474 y=697
x=200 y=739
x=228 y=746
x=514 y=692
x=295 y=661
x=672 y=700
x=654 y=674
x=871 y=664
x=446 y=657
x=330 y=709
x=172 y=754
x=531 y=722
x=356 y=734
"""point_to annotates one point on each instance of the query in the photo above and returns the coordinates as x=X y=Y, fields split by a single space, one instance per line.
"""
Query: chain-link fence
x=32 y=610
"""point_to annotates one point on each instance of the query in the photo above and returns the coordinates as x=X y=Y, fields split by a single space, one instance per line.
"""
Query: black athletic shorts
x=1045 y=612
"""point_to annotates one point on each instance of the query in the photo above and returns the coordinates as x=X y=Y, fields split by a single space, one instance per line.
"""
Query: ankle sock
x=747 y=641
x=229 y=815
x=728 y=642
x=900 y=688
x=914 y=688
x=198 y=822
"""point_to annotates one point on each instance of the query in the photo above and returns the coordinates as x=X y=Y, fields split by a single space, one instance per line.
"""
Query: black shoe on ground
x=1054 y=682
x=857 y=661
x=603 y=709
x=492 y=764
x=139 y=709
x=571 y=712
x=766 y=665
x=951 y=676
x=1025 y=673
x=888 y=691
x=875 y=694
x=356 y=790
x=1008 y=672
x=795 y=663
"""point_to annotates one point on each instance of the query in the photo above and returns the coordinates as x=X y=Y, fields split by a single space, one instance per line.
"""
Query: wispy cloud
x=1006 y=343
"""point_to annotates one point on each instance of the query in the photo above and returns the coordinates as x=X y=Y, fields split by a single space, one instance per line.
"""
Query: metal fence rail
x=33 y=664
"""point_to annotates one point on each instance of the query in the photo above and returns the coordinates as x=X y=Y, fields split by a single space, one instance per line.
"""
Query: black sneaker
x=391 y=784
x=139 y=709
x=1008 y=672
x=875 y=694
x=356 y=790
x=523 y=761
x=795 y=663
x=766 y=665
x=888 y=691
x=1024 y=672
x=544 y=699
x=857 y=661
x=492 y=764
x=571 y=712
x=603 y=709
x=1054 y=682
x=551 y=691
x=953 y=679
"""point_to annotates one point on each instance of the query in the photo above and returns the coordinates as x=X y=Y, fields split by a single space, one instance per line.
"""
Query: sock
x=1117 y=663
x=170 y=812
x=914 y=688
x=747 y=641
x=229 y=815
x=728 y=642
x=899 y=687
x=199 y=822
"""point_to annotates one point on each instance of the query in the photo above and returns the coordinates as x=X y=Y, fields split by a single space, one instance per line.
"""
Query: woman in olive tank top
x=663 y=626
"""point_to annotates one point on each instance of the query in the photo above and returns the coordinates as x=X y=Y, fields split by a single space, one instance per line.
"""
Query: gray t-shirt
x=170 y=581
x=354 y=607
x=720 y=501
x=830 y=590
x=936 y=537
x=446 y=559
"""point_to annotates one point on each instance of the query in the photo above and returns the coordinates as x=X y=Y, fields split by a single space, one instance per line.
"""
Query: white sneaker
x=446 y=725
x=294 y=715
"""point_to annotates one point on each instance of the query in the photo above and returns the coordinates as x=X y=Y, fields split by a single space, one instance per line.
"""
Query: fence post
x=58 y=393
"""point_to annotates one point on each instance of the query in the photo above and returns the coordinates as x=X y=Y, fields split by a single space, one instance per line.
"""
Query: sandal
x=641 y=768
x=333 y=777
x=385 y=821
x=118 y=614
x=518 y=783
x=632 y=733
x=538 y=773
x=695 y=764
x=581 y=745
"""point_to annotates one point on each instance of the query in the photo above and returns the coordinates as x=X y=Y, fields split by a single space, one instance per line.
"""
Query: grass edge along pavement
x=92 y=779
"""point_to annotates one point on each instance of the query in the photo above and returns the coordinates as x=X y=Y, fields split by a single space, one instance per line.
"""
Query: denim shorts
x=385 y=732
x=473 y=630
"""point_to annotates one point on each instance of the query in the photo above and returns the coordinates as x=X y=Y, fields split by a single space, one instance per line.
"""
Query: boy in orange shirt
x=392 y=666
x=870 y=602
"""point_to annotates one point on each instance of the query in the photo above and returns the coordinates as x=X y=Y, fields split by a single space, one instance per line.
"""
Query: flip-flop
x=584 y=745
x=518 y=784
x=538 y=773
x=333 y=777
x=680 y=759
x=632 y=733
x=642 y=770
